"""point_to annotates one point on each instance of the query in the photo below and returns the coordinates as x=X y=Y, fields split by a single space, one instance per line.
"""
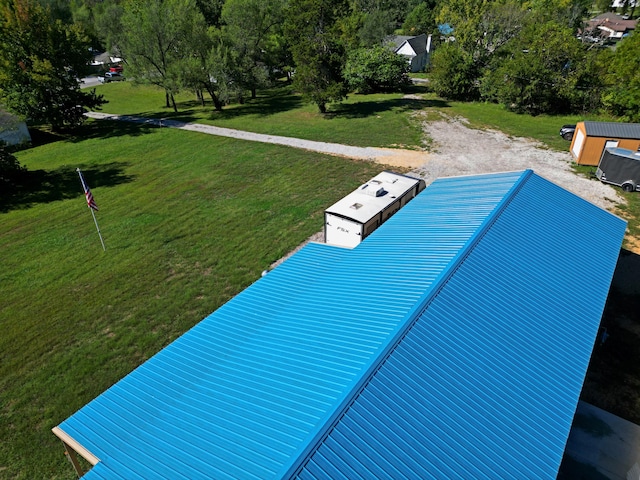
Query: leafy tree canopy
x=539 y=70
x=376 y=69
x=315 y=29
x=40 y=62
x=623 y=97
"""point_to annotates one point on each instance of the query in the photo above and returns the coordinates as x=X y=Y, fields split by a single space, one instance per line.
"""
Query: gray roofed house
x=417 y=49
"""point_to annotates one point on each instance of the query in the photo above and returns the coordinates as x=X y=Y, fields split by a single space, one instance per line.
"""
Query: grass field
x=189 y=220
x=368 y=121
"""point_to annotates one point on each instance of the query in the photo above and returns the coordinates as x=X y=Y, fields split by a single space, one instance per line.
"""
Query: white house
x=416 y=49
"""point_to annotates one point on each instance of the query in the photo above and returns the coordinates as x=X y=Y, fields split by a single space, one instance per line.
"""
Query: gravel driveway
x=460 y=150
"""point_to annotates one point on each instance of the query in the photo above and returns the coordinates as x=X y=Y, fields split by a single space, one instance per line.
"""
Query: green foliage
x=250 y=26
x=376 y=69
x=538 y=71
x=108 y=24
x=40 y=62
x=623 y=78
x=315 y=32
x=376 y=26
x=158 y=38
x=453 y=73
x=421 y=19
x=10 y=171
x=211 y=11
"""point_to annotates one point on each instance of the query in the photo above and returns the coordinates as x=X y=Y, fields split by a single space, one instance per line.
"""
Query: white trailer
x=352 y=219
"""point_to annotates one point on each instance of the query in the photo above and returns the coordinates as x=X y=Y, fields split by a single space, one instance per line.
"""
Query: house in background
x=417 y=49
x=104 y=60
x=452 y=342
x=591 y=138
x=612 y=26
x=13 y=131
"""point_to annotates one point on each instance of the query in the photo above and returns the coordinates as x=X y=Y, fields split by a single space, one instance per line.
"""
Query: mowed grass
x=189 y=220
x=381 y=120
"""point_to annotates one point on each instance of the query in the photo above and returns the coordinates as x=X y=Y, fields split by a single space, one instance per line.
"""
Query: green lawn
x=368 y=121
x=189 y=220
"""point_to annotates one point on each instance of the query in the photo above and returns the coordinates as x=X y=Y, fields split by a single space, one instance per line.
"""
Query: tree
x=623 y=95
x=539 y=71
x=211 y=11
x=453 y=73
x=421 y=19
x=108 y=24
x=376 y=69
x=249 y=27
x=375 y=27
x=314 y=30
x=155 y=41
x=40 y=62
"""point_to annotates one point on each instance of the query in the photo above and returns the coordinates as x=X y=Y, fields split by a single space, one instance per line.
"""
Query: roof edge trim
x=70 y=442
x=294 y=466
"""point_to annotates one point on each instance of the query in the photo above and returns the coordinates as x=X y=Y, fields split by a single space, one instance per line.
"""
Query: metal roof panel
x=612 y=129
x=486 y=382
x=250 y=390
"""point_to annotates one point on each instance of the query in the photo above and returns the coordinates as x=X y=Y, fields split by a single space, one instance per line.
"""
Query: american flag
x=91 y=203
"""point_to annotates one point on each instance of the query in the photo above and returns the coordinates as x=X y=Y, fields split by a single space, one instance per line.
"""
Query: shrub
x=376 y=69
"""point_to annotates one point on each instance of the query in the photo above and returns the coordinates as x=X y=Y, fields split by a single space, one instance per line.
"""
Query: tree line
x=524 y=54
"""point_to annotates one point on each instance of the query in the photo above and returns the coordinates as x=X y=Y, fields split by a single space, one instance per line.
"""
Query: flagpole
x=98 y=228
x=92 y=206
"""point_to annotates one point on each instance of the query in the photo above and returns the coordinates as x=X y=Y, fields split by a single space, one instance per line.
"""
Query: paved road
x=88 y=82
x=380 y=155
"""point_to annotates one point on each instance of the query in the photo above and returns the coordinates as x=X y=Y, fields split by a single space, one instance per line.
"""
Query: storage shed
x=450 y=343
x=591 y=138
x=353 y=218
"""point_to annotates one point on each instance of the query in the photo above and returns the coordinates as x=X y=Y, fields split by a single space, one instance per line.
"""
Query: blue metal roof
x=448 y=343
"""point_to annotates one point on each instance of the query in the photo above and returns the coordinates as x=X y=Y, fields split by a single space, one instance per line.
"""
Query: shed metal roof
x=612 y=129
x=447 y=342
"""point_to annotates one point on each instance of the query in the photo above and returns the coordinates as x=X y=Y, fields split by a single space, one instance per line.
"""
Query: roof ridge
x=317 y=438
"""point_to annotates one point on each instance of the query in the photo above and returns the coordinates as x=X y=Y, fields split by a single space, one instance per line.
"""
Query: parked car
x=116 y=68
x=567 y=132
x=111 y=77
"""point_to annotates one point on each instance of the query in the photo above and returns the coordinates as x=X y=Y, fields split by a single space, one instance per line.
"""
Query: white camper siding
x=342 y=231
x=356 y=216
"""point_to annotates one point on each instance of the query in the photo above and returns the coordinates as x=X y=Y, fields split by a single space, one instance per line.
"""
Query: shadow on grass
x=45 y=186
x=365 y=109
x=90 y=130
x=110 y=129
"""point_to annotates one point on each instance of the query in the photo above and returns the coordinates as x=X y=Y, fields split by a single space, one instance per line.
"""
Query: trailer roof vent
x=356 y=206
x=373 y=189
